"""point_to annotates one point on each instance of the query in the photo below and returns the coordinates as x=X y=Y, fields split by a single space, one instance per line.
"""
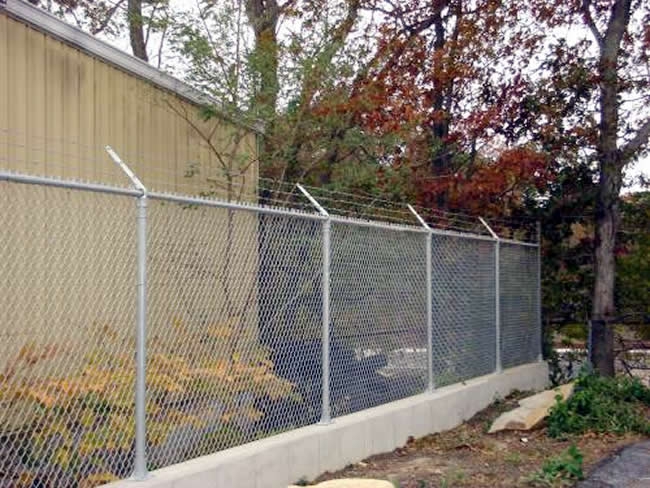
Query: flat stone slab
x=630 y=468
x=352 y=483
x=532 y=410
x=546 y=398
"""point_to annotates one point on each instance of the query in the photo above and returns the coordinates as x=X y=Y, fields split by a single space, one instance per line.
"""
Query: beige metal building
x=67 y=273
x=64 y=95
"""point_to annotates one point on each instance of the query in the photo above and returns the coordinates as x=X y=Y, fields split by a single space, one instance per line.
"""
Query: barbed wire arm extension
x=313 y=201
x=135 y=181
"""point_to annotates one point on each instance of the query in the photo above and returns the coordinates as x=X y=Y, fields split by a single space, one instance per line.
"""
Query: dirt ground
x=468 y=457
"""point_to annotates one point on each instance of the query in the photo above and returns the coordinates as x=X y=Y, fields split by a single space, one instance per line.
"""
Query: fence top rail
x=243 y=206
x=68 y=184
x=378 y=224
x=519 y=243
x=247 y=207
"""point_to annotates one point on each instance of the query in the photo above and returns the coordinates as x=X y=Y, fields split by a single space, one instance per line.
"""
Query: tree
x=136 y=29
x=447 y=86
x=580 y=102
x=612 y=156
x=277 y=62
x=404 y=95
x=140 y=17
x=264 y=17
x=617 y=84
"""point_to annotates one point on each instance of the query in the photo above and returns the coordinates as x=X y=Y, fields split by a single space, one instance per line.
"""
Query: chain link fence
x=464 y=308
x=520 y=318
x=378 y=349
x=234 y=322
x=67 y=338
x=258 y=320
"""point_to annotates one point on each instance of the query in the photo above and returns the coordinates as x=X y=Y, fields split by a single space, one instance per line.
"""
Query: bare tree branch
x=637 y=142
x=589 y=20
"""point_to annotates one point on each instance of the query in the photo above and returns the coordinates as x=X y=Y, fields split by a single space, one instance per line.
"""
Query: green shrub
x=560 y=470
x=601 y=405
x=576 y=332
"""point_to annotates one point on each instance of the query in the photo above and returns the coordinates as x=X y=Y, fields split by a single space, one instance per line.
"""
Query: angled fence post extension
x=326 y=413
x=497 y=292
x=429 y=297
x=140 y=464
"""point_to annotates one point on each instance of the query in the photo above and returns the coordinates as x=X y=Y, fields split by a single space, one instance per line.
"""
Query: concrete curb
x=307 y=452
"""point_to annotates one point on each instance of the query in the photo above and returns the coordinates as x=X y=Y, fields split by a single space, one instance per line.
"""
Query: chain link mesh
x=378 y=312
x=67 y=316
x=464 y=308
x=520 y=320
x=234 y=348
x=234 y=344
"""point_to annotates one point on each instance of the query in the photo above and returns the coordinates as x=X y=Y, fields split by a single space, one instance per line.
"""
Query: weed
x=302 y=482
x=601 y=405
x=513 y=458
x=486 y=425
x=562 y=470
x=451 y=478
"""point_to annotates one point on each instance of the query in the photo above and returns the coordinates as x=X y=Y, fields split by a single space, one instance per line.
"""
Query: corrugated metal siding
x=67 y=267
x=59 y=107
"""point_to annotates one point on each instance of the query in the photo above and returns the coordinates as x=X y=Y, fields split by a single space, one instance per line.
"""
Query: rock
x=546 y=398
x=353 y=483
x=531 y=411
x=520 y=418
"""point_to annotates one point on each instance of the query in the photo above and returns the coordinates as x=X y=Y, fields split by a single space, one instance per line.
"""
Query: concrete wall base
x=307 y=452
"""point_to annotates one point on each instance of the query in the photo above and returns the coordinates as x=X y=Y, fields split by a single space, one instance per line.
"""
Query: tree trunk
x=440 y=125
x=603 y=312
x=264 y=17
x=136 y=31
x=267 y=49
x=440 y=149
x=611 y=162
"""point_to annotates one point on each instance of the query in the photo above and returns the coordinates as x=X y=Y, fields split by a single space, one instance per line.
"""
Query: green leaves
x=562 y=470
x=602 y=405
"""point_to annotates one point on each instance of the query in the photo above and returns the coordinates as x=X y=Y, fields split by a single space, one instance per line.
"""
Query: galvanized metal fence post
x=538 y=229
x=497 y=305
x=140 y=466
x=431 y=381
x=140 y=462
x=497 y=293
x=326 y=416
x=326 y=413
x=429 y=297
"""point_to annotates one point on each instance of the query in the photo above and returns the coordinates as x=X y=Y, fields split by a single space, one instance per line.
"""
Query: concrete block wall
x=307 y=452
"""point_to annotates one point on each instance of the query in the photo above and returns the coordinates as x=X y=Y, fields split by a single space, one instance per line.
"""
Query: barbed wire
x=70 y=158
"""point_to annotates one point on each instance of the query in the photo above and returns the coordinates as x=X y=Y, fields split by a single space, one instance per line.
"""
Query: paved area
x=630 y=468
